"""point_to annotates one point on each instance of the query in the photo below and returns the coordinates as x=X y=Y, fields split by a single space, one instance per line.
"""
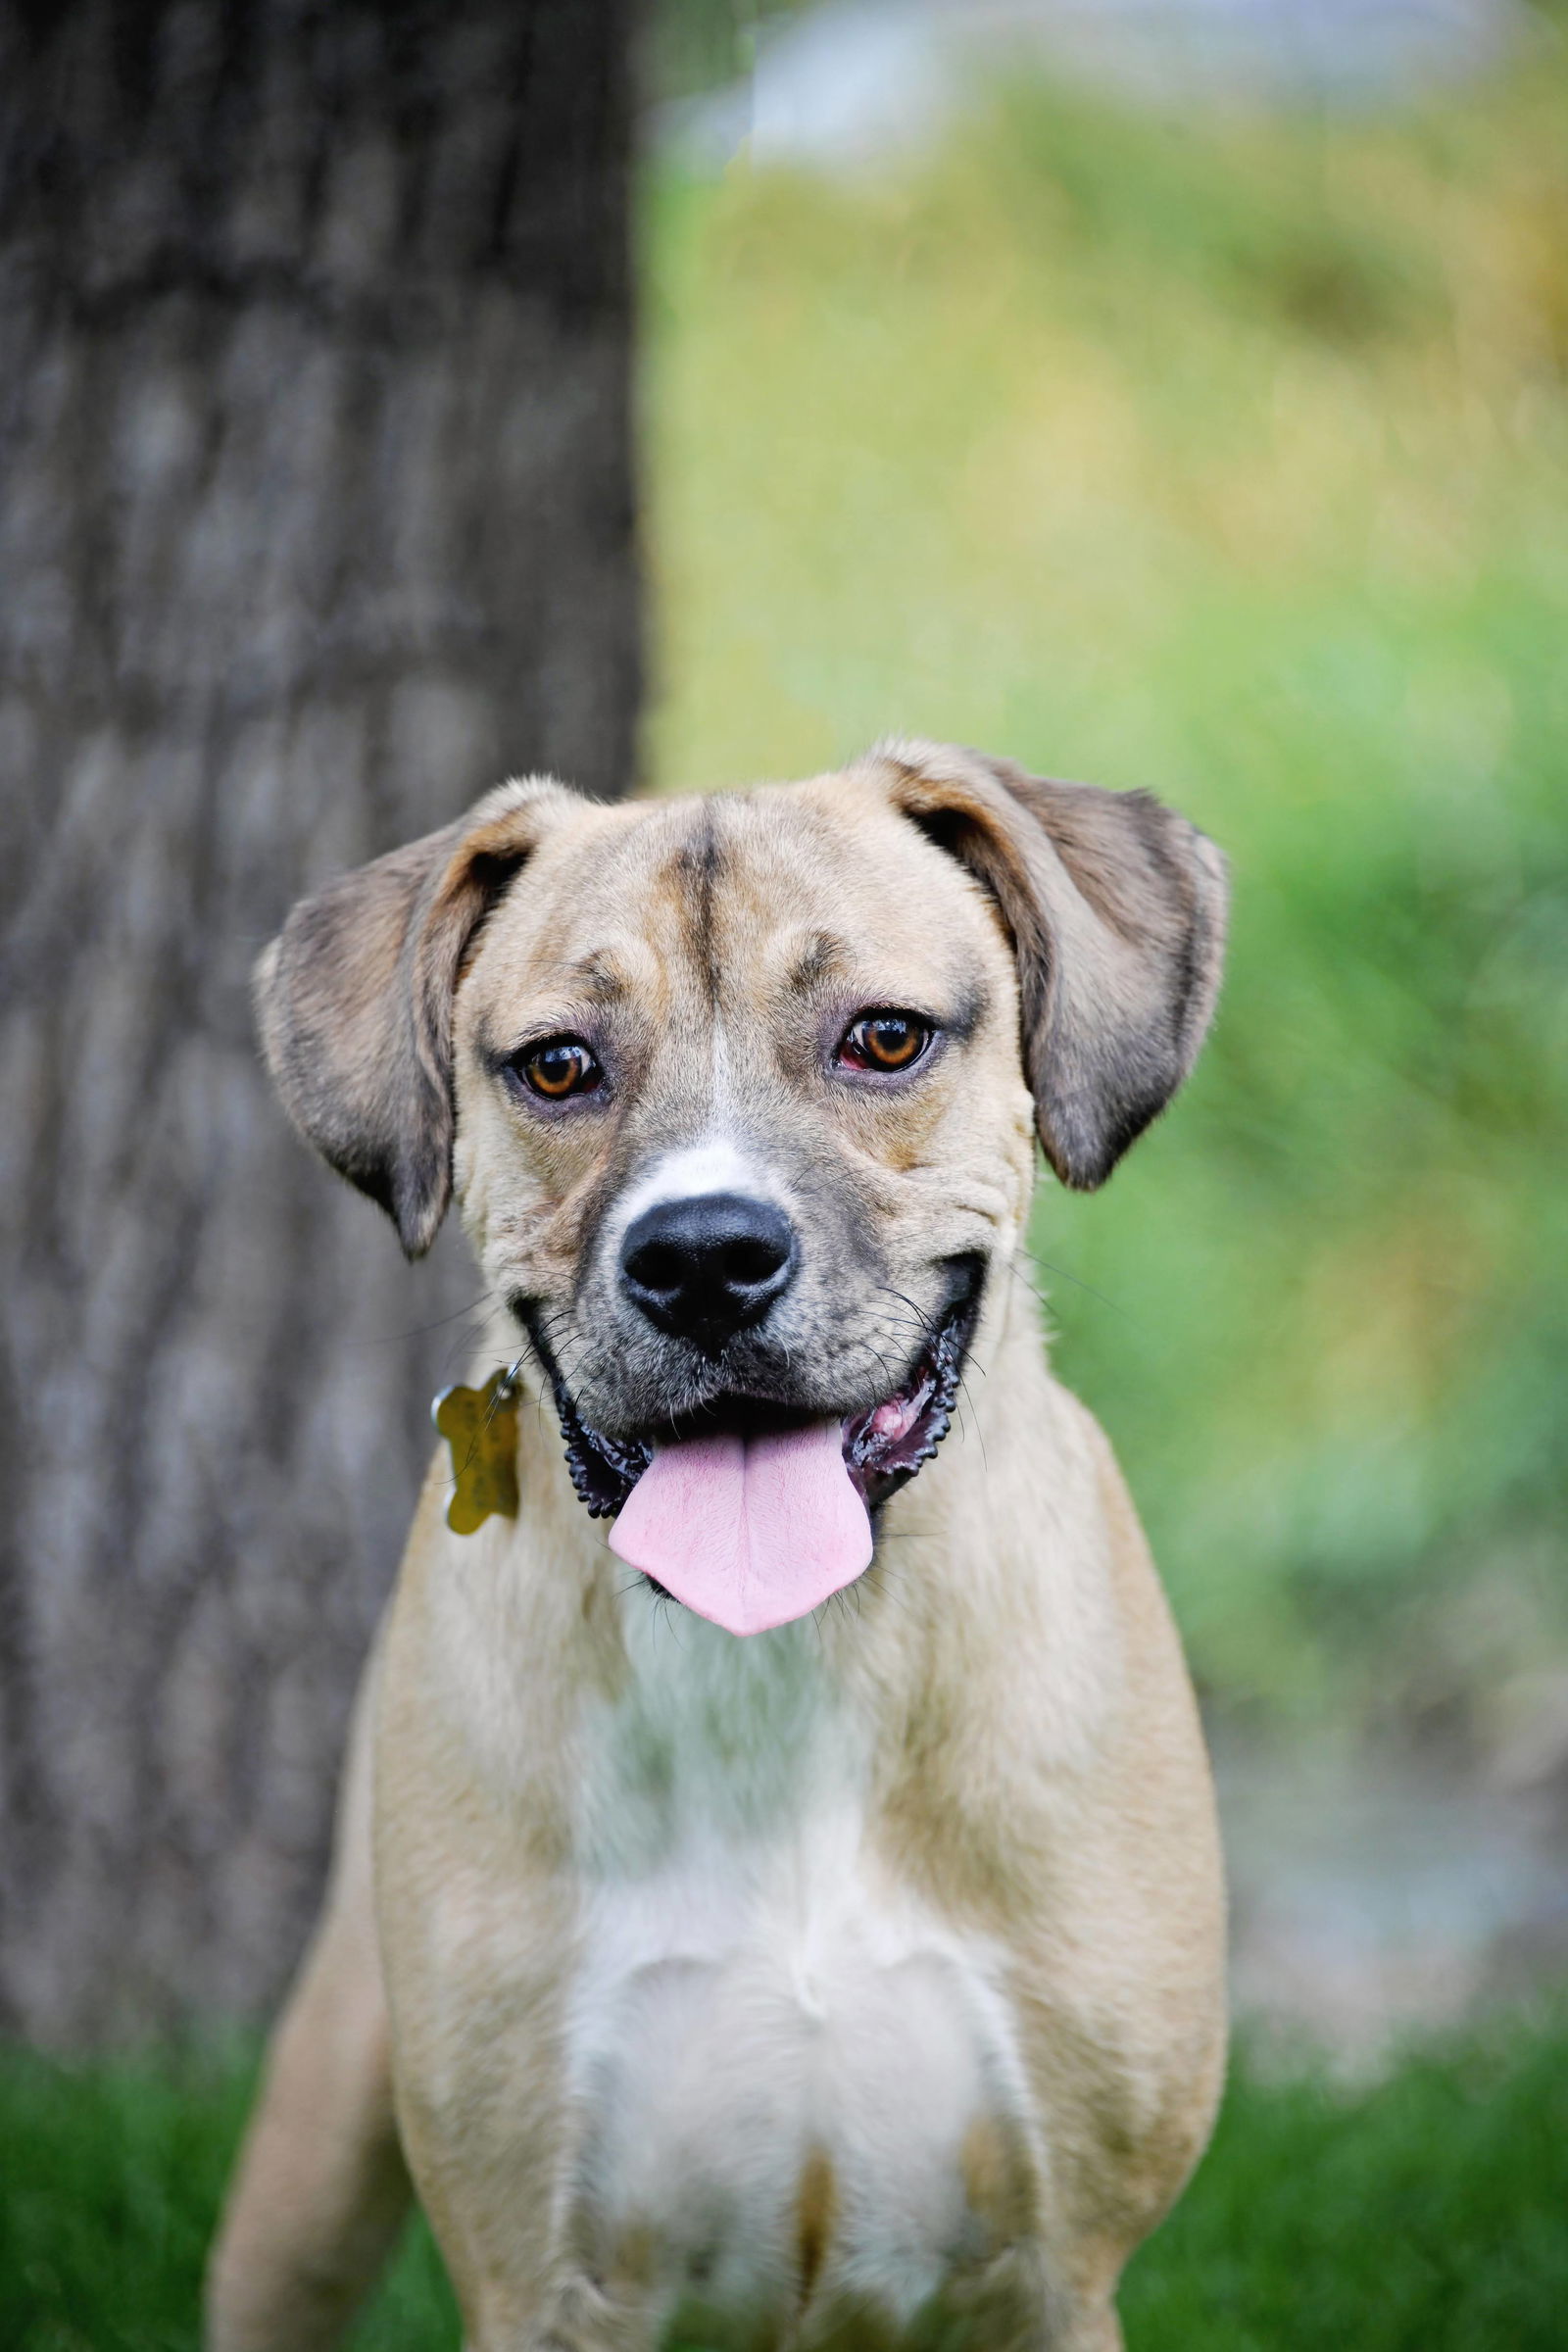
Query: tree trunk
x=316 y=518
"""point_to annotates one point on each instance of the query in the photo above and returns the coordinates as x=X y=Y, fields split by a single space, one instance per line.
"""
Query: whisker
x=419 y=1331
x=1051 y=1267
x=928 y=1323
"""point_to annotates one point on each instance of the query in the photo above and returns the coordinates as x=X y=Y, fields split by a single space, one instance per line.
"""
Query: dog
x=776 y=1900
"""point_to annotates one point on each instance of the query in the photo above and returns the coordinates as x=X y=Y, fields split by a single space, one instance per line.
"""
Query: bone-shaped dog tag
x=481 y=1428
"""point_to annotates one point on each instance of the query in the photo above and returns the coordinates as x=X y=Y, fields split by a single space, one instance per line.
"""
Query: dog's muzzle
x=755 y=1508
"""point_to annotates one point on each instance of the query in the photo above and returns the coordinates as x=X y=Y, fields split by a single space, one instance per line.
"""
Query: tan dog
x=858 y=1983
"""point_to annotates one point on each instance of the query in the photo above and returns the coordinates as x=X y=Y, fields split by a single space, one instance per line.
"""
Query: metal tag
x=481 y=1428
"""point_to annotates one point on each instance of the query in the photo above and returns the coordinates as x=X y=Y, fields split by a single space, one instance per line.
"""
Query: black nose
x=702 y=1269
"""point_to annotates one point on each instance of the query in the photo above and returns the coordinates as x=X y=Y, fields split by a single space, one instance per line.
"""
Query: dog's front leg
x=320 y=2189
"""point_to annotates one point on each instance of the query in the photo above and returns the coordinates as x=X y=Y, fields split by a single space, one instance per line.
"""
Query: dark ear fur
x=354 y=1003
x=1116 y=907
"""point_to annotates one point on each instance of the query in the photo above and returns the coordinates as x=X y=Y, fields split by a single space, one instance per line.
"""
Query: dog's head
x=739 y=1094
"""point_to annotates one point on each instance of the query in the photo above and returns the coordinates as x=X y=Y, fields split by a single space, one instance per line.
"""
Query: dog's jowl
x=776 y=1899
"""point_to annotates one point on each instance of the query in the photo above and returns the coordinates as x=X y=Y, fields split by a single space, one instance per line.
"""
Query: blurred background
x=1177 y=395
x=1161 y=392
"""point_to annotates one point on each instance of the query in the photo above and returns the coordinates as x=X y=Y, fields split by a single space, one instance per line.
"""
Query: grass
x=1225 y=454
x=110 y=2181
x=1428 y=2213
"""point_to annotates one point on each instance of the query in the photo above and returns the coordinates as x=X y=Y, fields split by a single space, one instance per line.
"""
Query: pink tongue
x=750 y=1532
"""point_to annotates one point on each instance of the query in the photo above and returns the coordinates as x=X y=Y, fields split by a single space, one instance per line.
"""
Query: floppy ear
x=354 y=1002
x=1116 y=907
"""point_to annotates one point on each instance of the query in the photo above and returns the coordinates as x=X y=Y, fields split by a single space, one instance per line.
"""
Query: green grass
x=1228 y=455
x=1426 y=2214
x=111 y=2175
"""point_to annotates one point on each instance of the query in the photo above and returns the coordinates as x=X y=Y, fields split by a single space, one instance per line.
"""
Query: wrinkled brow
x=819 y=956
x=590 y=980
x=597 y=977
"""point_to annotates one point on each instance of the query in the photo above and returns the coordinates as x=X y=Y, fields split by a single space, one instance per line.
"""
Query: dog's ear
x=1116 y=909
x=354 y=1002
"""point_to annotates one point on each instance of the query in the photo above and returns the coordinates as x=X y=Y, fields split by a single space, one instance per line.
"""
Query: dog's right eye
x=559 y=1067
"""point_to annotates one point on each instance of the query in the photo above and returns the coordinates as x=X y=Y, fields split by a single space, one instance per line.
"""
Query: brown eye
x=884 y=1041
x=560 y=1066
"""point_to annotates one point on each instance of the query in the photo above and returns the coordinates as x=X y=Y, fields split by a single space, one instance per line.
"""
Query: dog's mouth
x=754 y=1509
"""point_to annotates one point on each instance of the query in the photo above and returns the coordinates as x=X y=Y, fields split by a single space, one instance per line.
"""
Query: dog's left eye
x=558 y=1068
x=884 y=1040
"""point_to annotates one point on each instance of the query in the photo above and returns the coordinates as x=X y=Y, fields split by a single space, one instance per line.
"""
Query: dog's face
x=736 y=1134
x=739 y=1096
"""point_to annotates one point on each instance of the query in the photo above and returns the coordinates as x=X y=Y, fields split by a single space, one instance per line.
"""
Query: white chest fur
x=779 y=2058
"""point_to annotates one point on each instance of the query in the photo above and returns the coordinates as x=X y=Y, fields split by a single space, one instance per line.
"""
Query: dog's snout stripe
x=716 y=1164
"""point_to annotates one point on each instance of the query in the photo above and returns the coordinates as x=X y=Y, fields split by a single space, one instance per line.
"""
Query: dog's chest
x=789 y=2073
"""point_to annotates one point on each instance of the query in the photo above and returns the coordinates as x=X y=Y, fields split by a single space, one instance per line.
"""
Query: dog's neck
x=521 y=1643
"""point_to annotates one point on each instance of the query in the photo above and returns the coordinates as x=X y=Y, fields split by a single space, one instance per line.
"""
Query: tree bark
x=316 y=518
